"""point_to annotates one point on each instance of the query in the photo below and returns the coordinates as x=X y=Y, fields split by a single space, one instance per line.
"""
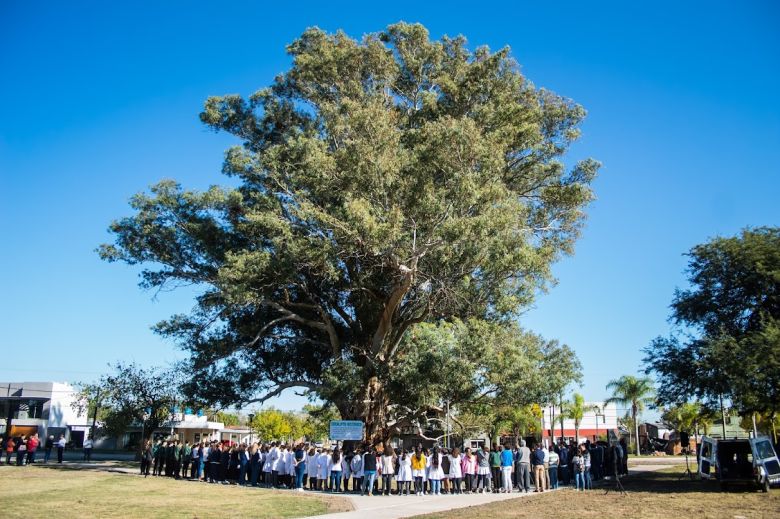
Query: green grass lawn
x=72 y=493
x=651 y=495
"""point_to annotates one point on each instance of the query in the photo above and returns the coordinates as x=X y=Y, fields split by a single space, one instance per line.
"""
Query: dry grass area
x=72 y=493
x=651 y=495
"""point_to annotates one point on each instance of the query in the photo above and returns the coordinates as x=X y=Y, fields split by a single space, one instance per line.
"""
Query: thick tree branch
x=397 y=295
x=281 y=387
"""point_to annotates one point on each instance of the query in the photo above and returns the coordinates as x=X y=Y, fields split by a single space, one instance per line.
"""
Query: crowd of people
x=24 y=449
x=377 y=470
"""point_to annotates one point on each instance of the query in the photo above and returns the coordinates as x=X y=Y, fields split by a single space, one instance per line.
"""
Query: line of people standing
x=373 y=470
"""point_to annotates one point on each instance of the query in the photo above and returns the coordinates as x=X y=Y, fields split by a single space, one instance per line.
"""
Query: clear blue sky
x=100 y=101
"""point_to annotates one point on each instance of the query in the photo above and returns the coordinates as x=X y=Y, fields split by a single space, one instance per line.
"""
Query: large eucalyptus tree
x=382 y=183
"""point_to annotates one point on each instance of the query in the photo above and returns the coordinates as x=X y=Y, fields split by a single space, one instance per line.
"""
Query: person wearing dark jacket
x=369 y=471
x=255 y=458
x=563 y=465
x=47 y=448
x=537 y=462
x=215 y=462
x=224 y=465
x=146 y=458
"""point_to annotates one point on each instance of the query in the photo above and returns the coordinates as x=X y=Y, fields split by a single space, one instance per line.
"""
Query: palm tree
x=574 y=410
x=637 y=392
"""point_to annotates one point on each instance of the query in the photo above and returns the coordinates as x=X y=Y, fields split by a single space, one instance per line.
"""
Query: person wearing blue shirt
x=507 y=464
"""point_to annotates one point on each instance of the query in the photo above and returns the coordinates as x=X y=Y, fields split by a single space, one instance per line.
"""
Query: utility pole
x=723 y=415
x=10 y=416
x=173 y=415
x=94 y=416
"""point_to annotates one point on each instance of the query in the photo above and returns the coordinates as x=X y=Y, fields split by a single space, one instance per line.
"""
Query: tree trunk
x=561 y=416
x=636 y=427
x=552 y=423
x=371 y=409
x=723 y=416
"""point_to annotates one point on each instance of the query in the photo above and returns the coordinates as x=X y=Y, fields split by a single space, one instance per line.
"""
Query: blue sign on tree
x=346 y=430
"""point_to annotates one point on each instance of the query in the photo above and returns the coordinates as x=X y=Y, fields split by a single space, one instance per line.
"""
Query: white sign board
x=346 y=430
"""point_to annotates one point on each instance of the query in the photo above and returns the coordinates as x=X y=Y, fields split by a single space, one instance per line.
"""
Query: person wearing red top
x=32 y=447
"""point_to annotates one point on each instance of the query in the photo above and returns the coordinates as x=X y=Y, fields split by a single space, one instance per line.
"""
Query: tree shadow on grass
x=674 y=483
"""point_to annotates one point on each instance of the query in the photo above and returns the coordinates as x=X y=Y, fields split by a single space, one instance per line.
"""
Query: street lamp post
x=251 y=418
x=598 y=413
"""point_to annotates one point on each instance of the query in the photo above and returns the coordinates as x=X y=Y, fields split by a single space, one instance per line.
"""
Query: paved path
x=393 y=507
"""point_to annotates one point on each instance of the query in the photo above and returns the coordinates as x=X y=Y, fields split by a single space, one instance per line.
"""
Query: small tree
x=228 y=419
x=319 y=418
x=575 y=410
x=272 y=424
x=134 y=396
x=633 y=391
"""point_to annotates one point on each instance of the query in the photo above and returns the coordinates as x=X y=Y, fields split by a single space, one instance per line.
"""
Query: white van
x=739 y=461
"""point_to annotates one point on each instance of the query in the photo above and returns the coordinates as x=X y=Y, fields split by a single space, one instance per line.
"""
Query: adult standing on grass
x=299 y=459
x=347 y=472
x=323 y=460
x=88 y=444
x=146 y=458
x=585 y=453
x=369 y=471
x=157 y=454
x=523 y=467
x=10 y=445
x=311 y=467
x=61 y=447
x=623 y=457
x=563 y=464
x=195 y=460
x=32 y=448
x=21 y=451
x=553 y=460
x=507 y=463
x=537 y=461
x=334 y=469
x=186 y=459
x=578 y=467
x=495 y=468
x=48 y=446
x=357 y=471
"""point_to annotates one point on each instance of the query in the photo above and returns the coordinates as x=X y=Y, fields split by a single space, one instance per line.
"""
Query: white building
x=597 y=419
x=41 y=407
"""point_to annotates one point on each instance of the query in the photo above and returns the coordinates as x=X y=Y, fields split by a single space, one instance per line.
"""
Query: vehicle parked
x=739 y=461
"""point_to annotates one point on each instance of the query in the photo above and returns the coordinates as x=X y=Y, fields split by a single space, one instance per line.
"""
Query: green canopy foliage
x=130 y=395
x=729 y=340
x=382 y=183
